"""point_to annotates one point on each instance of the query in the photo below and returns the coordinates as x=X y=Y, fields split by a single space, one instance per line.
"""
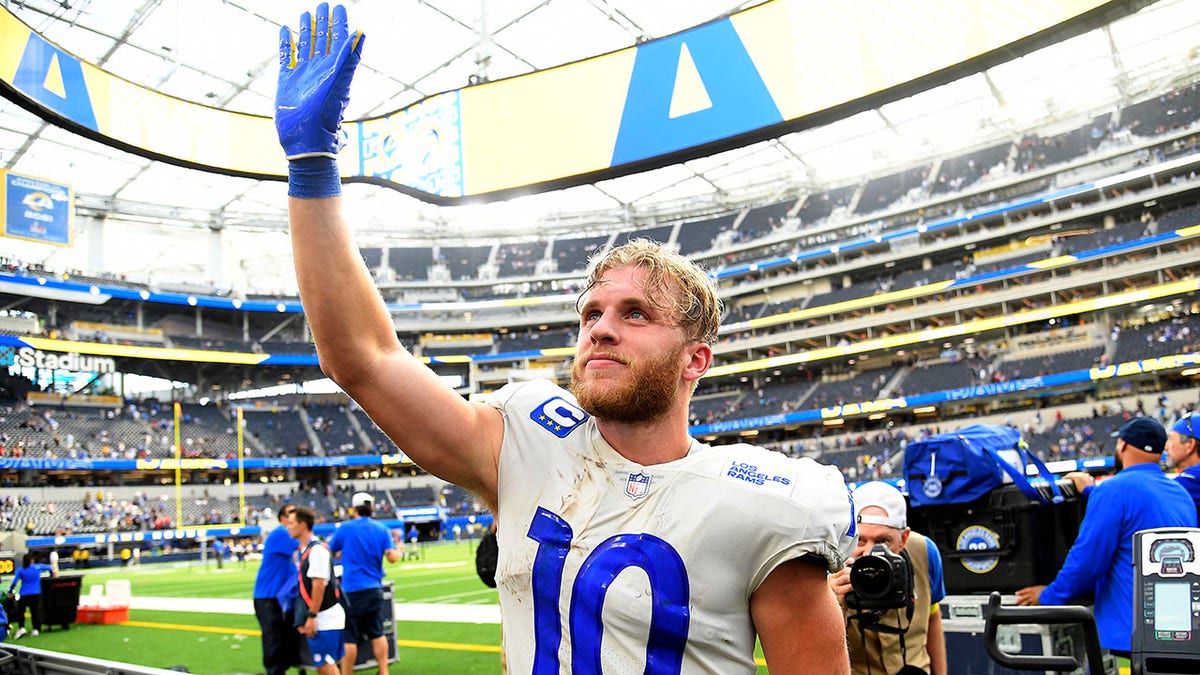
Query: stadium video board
x=773 y=68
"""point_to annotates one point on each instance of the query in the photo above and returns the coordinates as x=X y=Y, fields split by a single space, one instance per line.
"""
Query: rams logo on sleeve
x=559 y=416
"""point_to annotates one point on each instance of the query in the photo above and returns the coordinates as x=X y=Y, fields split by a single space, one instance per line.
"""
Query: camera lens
x=871 y=577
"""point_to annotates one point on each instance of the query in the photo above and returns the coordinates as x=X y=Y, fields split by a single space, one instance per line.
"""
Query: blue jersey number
x=668 y=587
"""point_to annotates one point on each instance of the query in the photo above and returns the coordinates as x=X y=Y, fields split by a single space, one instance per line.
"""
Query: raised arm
x=356 y=340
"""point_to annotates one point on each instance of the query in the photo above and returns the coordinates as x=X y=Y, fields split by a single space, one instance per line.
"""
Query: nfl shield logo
x=638 y=485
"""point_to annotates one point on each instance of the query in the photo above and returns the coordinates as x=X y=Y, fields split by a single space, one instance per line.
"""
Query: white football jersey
x=609 y=566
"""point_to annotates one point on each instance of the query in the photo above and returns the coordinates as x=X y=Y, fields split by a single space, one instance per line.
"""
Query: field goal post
x=239 y=518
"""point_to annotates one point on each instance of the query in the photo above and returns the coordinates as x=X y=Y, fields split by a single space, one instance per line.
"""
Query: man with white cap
x=362 y=544
x=919 y=644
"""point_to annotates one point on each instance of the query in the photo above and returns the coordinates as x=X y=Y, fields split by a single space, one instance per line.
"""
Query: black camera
x=881 y=580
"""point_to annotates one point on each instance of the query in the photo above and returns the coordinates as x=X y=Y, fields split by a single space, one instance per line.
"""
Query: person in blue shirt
x=881 y=515
x=1183 y=453
x=362 y=544
x=280 y=641
x=30 y=597
x=1139 y=497
x=220 y=549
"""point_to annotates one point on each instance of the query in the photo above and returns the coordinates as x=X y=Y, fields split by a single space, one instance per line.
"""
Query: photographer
x=895 y=626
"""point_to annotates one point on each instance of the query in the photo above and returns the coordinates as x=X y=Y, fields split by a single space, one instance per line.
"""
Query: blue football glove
x=314 y=83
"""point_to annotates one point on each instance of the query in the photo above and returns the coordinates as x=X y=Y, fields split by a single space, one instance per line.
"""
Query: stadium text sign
x=880 y=405
x=1145 y=366
x=28 y=357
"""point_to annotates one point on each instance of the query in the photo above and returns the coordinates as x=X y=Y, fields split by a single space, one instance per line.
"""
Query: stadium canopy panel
x=744 y=77
x=419 y=54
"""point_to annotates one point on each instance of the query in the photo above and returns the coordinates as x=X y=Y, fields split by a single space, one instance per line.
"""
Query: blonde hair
x=673 y=284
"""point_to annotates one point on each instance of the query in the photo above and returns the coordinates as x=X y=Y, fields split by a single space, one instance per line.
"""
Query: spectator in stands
x=1183 y=453
x=362 y=544
x=1139 y=497
x=280 y=641
x=29 y=577
x=318 y=606
x=883 y=519
x=648 y=321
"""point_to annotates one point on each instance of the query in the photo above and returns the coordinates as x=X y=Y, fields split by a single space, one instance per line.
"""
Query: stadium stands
x=808 y=280
x=573 y=254
x=463 y=261
x=411 y=264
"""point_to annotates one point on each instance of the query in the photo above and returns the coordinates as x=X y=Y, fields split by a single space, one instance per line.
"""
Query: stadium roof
x=223 y=54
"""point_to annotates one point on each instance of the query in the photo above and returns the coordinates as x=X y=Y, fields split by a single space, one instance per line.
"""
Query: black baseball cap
x=1143 y=433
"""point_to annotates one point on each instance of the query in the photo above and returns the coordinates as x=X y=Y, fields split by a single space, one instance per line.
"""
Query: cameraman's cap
x=362 y=499
x=883 y=496
x=1143 y=433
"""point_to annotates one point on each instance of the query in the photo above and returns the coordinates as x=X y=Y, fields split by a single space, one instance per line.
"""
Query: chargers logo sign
x=559 y=416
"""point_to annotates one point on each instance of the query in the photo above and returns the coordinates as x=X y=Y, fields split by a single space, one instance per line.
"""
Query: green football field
x=215 y=643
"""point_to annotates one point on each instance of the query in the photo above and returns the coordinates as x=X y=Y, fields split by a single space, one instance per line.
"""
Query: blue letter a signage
x=690 y=89
x=54 y=79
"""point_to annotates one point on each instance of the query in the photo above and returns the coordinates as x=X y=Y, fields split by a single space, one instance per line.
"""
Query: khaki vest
x=876 y=643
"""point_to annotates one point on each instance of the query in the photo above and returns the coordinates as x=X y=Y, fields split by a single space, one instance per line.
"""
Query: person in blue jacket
x=1139 y=497
x=30 y=596
x=1183 y=453
x=280 y=641
x=363 y=543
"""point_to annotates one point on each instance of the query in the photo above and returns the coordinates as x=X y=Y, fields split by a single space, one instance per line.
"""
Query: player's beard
x=649 y=392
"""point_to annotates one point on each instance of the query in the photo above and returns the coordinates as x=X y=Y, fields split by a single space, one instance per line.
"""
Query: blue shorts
x=364 y=620
x=326 y=647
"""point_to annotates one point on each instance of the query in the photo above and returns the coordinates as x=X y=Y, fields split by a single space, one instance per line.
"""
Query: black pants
x=280 y=641
x=34 y=604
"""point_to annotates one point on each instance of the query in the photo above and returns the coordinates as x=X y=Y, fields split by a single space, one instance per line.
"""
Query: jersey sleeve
x=384 y=536
x=815 y=520
x=937 y=581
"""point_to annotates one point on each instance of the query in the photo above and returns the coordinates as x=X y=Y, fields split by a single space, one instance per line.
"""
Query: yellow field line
x=416 y=644
x=449 y=646
x=197 y=629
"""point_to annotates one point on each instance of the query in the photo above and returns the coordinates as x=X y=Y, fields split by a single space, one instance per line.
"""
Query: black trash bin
x=60 y=600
